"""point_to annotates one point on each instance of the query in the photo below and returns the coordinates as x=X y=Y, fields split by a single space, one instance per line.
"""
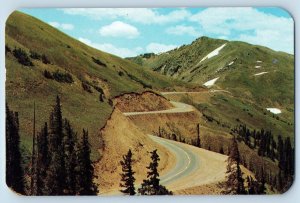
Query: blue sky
x=129 y=32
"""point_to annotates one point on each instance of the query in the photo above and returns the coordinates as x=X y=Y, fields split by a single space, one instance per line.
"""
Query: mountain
x=234 y=64
x=42 y=62
x=242 y=81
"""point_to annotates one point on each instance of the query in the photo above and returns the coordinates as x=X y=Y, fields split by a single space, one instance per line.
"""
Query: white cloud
x=64 y=26
x=110 y=48
x=159 y=48
x=139 y=15
x=119 y=29
x=248 y=24
x=183 y=30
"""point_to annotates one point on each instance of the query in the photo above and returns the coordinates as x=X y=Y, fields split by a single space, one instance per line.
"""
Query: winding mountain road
x=194 y=166
x=178 y=107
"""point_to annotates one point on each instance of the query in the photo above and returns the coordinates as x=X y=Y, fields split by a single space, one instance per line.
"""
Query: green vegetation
x=236 y=65
x=22 y=57
x=151 y=185
x=67 y=62
x=60 y=164
x=127 y=178
x=15 y=174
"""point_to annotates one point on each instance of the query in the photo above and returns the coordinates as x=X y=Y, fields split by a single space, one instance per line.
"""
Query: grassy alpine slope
x=235 y=65
x=98 y=71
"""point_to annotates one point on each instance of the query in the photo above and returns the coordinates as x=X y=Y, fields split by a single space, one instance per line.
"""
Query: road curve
x=178 y=107
x=194 y=166
x=186 y=161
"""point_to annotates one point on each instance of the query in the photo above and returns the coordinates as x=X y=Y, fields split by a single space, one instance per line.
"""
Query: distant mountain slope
x=257 y=73
x=42 y=62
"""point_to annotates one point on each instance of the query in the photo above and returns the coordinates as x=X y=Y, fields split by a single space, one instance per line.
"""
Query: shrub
x=86 y=87
x=97 y=61
x=35 y=55
x=58 y=76
x=7 y=49
x=99 y=89
x=22 y=57
x=47 y=74
x=62 y=77
x=101 y=97
x=145 y=85
x=121 y=73
x=45 y=60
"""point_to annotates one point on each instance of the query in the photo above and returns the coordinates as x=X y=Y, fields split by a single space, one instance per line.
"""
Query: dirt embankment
x=183 y=125
x=147 y=101
x=119 y=135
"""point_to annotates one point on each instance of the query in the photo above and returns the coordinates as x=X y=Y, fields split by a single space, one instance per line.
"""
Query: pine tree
x=235 y=182
x=69 y=143
x=262 y=180
x=198 y=143
x=151 y=185
x=55 y=180
x=42 y=159
x=34 y=157
x=127 y=178
x=14 y=171
x=85 y=177
x=280 y=156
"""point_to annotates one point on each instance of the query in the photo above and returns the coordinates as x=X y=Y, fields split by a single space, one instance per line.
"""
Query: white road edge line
x=186 y=167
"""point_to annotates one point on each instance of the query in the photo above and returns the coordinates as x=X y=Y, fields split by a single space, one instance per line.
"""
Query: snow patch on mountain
x=261 y=73
x=213 y=53
x=231 y=63
x=274 y=110
x=257 y=67
x=210 y=82
x=258 y=61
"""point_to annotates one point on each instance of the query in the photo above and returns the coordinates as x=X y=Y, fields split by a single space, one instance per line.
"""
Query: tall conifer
x=127 y=178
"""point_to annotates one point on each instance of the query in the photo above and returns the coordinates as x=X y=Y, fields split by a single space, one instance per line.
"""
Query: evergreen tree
x=69 y=145
x=55 y=180
x=14 y=171
x=42 y=159
x=34 y=157
x=288 y=153
x=262 y=180
x=151 y=185
x=85 y=177
x=198 y=143
x=235 y=182
x=127 y=178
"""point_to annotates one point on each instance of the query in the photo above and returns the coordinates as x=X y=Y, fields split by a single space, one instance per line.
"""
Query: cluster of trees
x=60 y=163
x=14 y=171
x=235 y=183
x=86 y=87
x=97 y=61
x=150 y=186
x=59 y=76
x=280 y=151
x=260 y=139
x=22 y=57
x=37 y=56
x=178 y=137
x=162 y=132
x=286 y=164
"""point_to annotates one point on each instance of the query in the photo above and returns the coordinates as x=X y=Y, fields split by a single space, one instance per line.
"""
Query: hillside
x=42 y=62
x=255 y=73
